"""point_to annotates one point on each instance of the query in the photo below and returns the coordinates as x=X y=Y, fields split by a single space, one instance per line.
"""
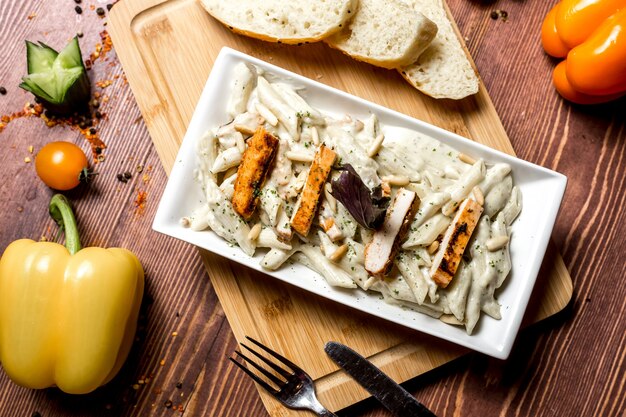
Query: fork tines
x=284 y=373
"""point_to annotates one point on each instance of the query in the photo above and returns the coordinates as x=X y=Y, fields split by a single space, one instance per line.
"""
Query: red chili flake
x=104 y=83
x=140 y=206
x=103 y=47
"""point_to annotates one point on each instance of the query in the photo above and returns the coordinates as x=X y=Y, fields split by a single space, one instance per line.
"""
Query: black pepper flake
x=168 y=404
x=78 y=9
x=98 y=150
x=35 y=414
x=502 y=14
x=109 y=6
x=3 y=90
x=128 y=175
x=98 y=115
x=100 y=11
x=92 y=131
x=121 y=178
x=179 y=385
x=77 y=1
x=80 y=34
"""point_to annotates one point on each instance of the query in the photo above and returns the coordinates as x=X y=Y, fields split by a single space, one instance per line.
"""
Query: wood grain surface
x=162 y=75
x=572 y=364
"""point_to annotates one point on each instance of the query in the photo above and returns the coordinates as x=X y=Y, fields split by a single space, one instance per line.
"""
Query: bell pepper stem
x=61 y=211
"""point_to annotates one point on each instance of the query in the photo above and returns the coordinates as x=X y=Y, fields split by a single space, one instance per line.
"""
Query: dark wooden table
x=572 y=364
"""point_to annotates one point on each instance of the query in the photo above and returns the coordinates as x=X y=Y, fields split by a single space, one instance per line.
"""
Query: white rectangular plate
x=542 y=191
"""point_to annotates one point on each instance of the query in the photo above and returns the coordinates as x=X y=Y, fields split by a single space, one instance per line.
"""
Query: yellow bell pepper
x=67 y=315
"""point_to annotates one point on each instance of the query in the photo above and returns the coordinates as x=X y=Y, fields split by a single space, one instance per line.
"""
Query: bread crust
x=264 y=36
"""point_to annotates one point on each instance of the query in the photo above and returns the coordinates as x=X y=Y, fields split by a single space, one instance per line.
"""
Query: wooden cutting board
x=167 y=49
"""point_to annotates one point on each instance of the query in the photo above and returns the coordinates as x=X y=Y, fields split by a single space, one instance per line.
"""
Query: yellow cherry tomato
x=61 y=165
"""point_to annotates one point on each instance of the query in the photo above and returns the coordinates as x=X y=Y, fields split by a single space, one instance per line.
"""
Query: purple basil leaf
x=367 y=207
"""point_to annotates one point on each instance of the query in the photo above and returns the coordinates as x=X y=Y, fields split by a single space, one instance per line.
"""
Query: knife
x=395 y=398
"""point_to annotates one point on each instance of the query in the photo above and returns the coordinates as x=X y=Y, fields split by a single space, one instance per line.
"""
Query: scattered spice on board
x=100 y=11
x=140 y=205
x=102 y=48
x=502 y=14
x=83 y=123
x=78 y=9
x=31 y=16
x=104 y=83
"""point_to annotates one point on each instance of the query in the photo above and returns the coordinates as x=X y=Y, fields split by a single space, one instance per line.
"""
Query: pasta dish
x=369 y=206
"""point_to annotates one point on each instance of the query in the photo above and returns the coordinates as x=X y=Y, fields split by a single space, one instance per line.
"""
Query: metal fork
x=296 y=391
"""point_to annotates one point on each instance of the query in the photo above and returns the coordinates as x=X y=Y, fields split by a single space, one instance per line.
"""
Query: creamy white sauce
x=434 y=171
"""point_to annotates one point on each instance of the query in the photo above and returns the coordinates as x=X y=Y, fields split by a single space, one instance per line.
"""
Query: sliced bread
x=289 y=22
x=443 y=70
x=385 y=33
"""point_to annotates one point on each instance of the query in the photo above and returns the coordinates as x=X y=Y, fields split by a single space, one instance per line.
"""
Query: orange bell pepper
x=591 y=35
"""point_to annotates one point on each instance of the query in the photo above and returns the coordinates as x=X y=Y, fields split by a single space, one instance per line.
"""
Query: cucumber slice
x=39 y=57
x=70 y=56
x=58 y=79
x=29 y=85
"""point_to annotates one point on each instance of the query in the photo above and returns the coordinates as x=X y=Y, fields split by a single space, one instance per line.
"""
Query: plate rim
x=559 y=182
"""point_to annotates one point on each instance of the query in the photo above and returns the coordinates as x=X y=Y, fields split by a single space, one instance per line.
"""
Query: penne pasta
x=242 y=88
x=443 y=249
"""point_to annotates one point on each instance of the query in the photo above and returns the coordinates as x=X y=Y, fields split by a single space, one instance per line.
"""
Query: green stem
x=61 y=211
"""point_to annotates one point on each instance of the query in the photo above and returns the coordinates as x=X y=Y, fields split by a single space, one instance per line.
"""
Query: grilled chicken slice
x=252 y=171
x=381 y=251
x=313 y=187
x=454 y=241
